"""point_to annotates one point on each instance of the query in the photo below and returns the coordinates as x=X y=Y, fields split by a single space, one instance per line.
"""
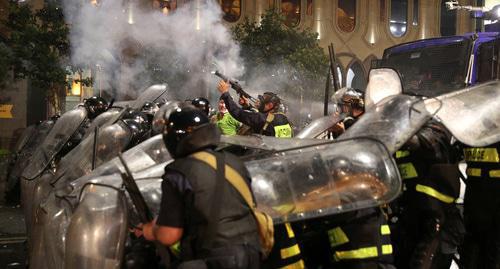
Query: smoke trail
x=134 y=46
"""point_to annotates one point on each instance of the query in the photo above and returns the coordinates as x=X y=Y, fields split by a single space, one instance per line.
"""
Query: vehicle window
x=487 y=61
x=431 y=70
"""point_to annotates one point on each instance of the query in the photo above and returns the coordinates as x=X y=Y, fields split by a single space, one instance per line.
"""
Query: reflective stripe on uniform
x=289 y=252
x=473 y=172
x=384 y=230
x=481 y=155
x=231 y=175
x=295 y=265
x=494 y=173
x=360 y=253
x=283 y=131
x=402 y=153
x=337 y=237
x=434 y=193
x=407 y=170
x=289 y=230
x=477 y=172
x=386 y=249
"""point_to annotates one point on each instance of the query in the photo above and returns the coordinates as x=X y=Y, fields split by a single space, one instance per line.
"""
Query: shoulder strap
x=269 y=119
x=232 y=176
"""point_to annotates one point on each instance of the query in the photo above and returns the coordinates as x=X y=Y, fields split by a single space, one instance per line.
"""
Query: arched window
x=339 y=75
x=166 y=6
x=231 y=10
x=346 y=15
x=448 y=20
x=291 y=11
x=356 y=77
x=399 y=17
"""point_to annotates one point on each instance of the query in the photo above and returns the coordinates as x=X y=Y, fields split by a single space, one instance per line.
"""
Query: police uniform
x=426 y=208
x=269 y=124
x=188 y=191
x=359 y=240
x=482 y=207
x=286 y=251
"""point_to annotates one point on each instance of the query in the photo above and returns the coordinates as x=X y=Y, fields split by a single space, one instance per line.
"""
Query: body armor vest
x=236 y=224
x=483 y=162
x=277 y=125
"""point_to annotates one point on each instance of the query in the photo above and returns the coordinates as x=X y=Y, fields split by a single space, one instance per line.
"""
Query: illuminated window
x=291 y=11
x=166 y=6
x=346 y=15
x=448 y=20
x=231 y=9
x=399 y=17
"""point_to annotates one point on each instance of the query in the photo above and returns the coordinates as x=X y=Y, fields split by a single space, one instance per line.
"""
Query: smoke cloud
x=131 y=47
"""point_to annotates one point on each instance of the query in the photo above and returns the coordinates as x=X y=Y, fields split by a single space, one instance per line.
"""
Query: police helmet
x=95 y=105
x=188 y=130
x=138 y=124
x=164 y=112
x=269 y=97
x=150 y=109
x=201 y=103
x=353 y=98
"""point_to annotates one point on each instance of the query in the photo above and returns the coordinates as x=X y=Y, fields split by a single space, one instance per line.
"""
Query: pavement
x=13 y=246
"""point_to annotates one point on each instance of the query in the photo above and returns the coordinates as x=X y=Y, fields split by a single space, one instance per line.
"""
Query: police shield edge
x=477 y=108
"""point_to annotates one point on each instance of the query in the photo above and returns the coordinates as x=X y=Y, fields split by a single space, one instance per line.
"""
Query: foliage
x=271 y=45
x=39 y=44
x=5 y=62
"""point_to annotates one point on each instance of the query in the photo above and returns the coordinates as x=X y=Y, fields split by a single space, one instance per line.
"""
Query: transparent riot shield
x=104 y=119
x=154 y=93
x=142 y=156
x=24 y=154
x=110 y=141
x=267 y=143
x=320 y=126
x=324 y=179
x=472 y=115
x=25 y=137
x=58 y=136
x=392 y=121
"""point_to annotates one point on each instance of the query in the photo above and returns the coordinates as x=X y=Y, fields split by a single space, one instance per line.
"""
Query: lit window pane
x=346 y=15
x=291 y=11
x=448 y=20
x=399 y=17
x=231 y=9
x=166 y=6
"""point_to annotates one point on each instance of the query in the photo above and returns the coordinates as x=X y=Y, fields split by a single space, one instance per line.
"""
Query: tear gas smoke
x=132 y=46
x=135 y=45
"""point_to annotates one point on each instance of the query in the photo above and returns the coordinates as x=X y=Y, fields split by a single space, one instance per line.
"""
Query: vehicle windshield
x=431 y=67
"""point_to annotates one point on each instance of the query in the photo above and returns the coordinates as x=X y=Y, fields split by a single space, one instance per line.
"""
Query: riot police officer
x=482 y=207
x=199 y=207
x=358 y=239
x=268 y=121
x=426 y=210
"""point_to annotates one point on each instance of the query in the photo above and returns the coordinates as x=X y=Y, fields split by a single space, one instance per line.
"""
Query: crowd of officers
x=207 y=206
